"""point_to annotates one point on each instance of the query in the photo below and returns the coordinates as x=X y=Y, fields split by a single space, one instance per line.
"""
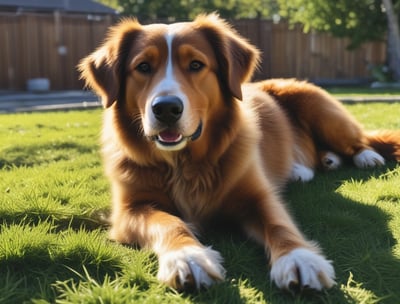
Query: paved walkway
x=69 y=100
x=51 y=101
x=373 y=98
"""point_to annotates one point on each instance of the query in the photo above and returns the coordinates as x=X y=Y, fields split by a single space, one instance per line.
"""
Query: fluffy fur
x=186 y=142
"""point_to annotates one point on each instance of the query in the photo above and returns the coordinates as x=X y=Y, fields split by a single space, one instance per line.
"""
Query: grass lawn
x=53 y=240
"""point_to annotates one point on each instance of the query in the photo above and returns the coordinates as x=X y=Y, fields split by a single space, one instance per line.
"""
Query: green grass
x=54 y=201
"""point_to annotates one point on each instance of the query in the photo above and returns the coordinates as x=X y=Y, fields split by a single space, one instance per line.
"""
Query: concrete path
x=371 y=98
x=51 y=101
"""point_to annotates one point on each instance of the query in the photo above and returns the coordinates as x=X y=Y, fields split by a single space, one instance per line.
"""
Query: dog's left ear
x=104 y=70
x=237 y=59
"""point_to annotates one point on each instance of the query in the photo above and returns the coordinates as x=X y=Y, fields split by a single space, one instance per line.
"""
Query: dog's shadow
x=352 y=231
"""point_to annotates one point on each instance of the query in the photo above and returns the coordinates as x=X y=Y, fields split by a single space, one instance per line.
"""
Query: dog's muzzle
x=168 y=110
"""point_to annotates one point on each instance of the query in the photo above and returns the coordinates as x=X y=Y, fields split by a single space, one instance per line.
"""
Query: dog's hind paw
x=303 y=269
x=191 y=267
x=330 y=161
x=368 y=159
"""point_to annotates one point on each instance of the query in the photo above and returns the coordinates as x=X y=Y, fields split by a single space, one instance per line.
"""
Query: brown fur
x=236 y=167
x=321 y=123
x=386 y=142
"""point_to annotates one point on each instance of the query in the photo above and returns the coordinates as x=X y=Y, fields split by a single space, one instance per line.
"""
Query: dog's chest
x=195 y=189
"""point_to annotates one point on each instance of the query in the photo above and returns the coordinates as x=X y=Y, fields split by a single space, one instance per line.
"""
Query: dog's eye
x=144 y=68
x=196 y=66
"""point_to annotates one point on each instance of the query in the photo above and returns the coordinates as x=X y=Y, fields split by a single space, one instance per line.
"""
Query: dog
x=187 y=141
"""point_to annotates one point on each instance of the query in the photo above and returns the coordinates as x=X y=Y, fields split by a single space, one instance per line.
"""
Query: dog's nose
x=167 y=109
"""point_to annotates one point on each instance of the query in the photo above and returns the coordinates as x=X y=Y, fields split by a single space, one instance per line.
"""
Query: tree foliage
x=361 y=20
x=110 y=3
x=187 y=9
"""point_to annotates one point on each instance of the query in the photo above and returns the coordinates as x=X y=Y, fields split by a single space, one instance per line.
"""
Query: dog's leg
x=295 y=262
x=340 y=132
x=183 y=262
x=305 y=156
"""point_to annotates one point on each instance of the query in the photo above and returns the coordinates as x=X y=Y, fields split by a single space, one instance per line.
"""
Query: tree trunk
x=393 y=43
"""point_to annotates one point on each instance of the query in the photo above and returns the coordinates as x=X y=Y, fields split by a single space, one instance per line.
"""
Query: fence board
x=51 y=45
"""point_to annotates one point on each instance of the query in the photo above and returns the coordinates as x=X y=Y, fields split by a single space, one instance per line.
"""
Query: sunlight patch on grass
x=355 y=293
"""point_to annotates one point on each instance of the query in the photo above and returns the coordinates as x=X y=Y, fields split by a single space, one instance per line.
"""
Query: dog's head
x=173 y=78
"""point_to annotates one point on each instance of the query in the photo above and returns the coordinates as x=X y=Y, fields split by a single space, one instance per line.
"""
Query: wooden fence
x=51 y=45
x=289 y=52
x=47 y=45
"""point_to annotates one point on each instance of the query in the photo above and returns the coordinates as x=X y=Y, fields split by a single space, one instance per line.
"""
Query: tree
x=110 y=3
x=361 y=21
x=188 y=9
x=393 y=38
x=156 y=9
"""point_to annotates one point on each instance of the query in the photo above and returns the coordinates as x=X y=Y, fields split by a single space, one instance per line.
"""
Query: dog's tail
x=386 y=143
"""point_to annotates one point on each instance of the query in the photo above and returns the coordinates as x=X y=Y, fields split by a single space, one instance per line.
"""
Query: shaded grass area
x=54 y=203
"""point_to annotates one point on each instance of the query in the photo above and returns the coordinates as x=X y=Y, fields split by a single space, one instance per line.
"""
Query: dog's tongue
x=169 y=136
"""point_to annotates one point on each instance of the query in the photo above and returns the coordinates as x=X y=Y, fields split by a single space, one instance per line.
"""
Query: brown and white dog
x=186 y=142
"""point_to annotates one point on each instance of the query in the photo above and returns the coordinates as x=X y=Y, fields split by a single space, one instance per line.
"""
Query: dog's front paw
x=303 y=269
x=190 y=267
x=301 y=173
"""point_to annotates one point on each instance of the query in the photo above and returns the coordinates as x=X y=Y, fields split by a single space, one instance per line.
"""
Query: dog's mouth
x=169 y=137
x=172 y=140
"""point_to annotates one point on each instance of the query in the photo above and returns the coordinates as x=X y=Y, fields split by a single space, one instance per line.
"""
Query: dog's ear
x=237 y=59
x=105 y=69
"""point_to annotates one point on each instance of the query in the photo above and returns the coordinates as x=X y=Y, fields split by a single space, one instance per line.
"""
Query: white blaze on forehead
x=169 y=84
x=169 y=71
